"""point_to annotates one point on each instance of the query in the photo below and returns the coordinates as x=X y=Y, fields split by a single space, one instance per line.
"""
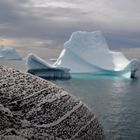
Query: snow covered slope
x=9 y=54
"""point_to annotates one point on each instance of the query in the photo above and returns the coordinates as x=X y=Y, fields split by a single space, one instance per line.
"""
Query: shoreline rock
x=34 y=109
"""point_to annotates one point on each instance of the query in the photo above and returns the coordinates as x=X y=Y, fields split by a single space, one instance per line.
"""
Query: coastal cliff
x=34 y=109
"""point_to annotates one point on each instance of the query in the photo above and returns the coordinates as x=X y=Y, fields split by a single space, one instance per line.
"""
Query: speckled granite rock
x=34 y=109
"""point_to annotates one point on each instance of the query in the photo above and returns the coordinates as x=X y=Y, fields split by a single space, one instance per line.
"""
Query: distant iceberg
x=88 y=53
x=9 y=54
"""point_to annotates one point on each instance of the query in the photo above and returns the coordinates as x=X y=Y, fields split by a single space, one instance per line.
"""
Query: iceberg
x=35 y=62
x=88 y=53
x=39 y=67
x=9 y=54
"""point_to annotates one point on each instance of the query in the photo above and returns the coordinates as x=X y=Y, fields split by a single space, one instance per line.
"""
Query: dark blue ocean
x=115 y=101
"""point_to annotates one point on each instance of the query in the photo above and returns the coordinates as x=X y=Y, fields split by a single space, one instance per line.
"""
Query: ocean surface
x=115 y=101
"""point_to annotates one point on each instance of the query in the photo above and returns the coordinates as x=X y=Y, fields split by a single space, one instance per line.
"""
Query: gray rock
x=34 y=109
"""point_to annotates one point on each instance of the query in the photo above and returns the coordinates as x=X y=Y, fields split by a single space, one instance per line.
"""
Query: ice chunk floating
x=39 y=67
x=88 y=53
x=9 y=54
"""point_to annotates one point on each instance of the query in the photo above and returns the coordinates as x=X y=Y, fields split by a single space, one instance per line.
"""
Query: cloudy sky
x=49 y=23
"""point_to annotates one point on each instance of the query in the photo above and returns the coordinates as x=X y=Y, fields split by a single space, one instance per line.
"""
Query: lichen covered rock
x=34 y=109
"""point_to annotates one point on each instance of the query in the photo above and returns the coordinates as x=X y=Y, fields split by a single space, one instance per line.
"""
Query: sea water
x=115 y=101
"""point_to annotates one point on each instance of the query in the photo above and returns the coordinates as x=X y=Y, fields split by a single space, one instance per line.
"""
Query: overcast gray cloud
x=50 y=22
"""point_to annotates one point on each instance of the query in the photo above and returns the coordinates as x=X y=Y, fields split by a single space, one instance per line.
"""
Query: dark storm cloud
x=56 y=20
x=17 y=20
x=123 y=39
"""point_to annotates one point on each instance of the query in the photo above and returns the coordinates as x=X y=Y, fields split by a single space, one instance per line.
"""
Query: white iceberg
x=34 y=62
x=9 y=54
x=88 y=53
x=39 y=67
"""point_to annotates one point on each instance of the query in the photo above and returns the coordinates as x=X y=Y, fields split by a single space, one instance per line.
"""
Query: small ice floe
x=53 y=59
